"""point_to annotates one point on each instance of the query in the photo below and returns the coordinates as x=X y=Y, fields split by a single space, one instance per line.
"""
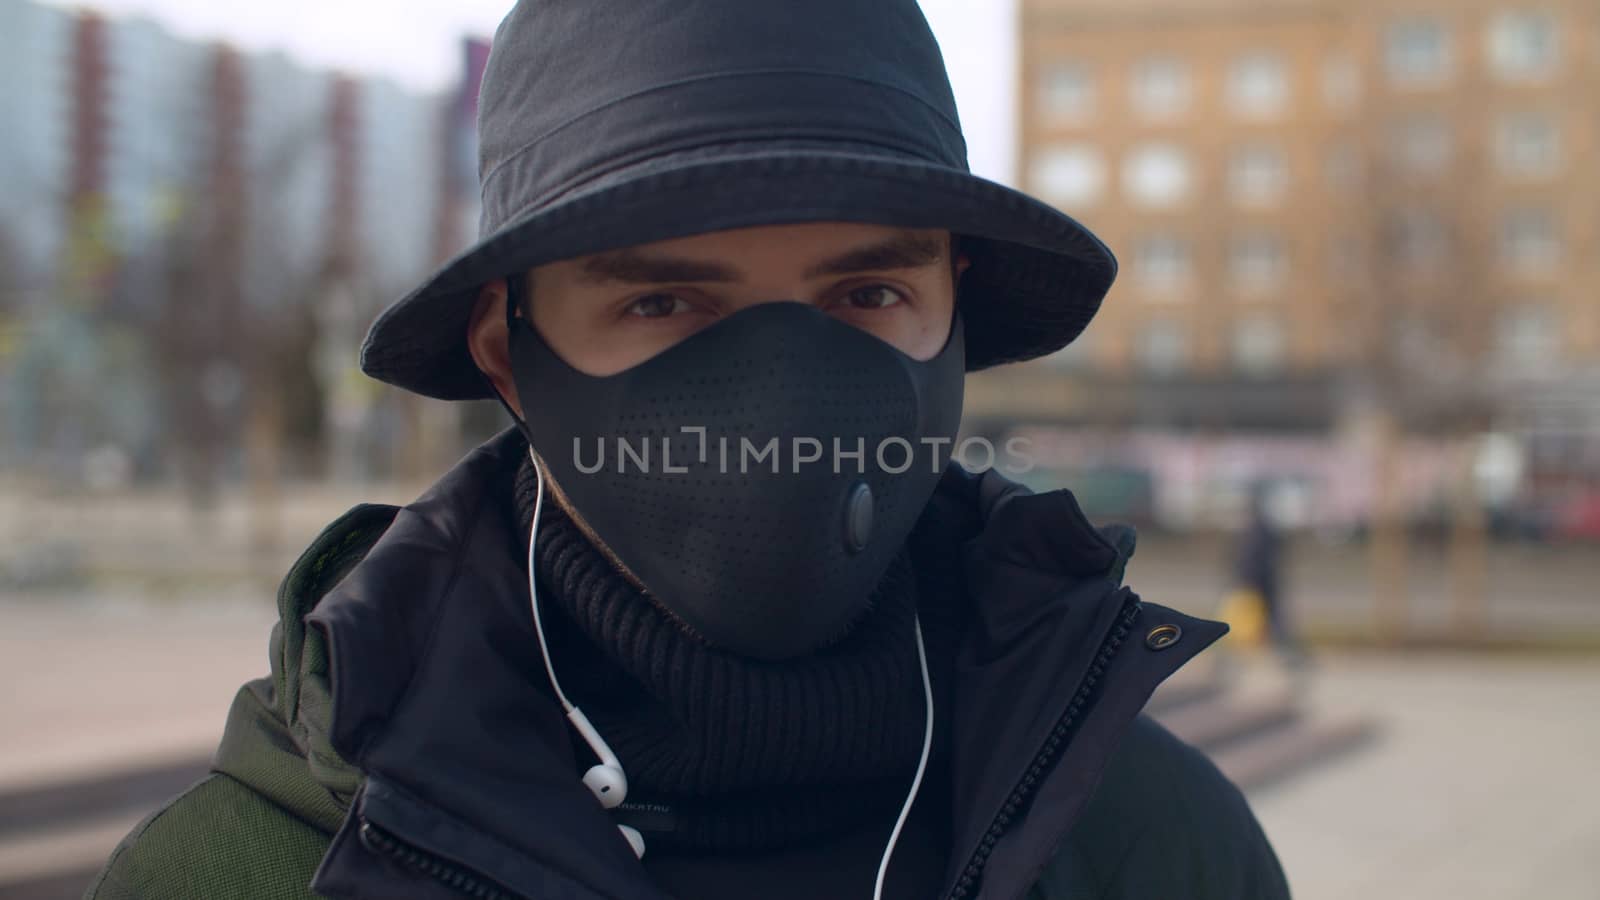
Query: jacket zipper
x=467 y=882
x=1046 y=757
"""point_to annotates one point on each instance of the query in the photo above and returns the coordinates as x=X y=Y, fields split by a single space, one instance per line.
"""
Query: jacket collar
x=468 y=764
x=1074 y=654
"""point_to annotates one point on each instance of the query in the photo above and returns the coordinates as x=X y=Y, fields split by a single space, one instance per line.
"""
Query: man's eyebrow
x=641 y=268
x=903 y=251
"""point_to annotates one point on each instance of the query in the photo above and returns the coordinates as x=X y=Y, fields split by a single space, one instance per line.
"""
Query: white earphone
x=607 y=780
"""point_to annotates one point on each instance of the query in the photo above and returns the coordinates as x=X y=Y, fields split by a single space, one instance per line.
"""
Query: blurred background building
x=1359 y=248
x=1355 y=240
x=1348 y=232
x=193 y=240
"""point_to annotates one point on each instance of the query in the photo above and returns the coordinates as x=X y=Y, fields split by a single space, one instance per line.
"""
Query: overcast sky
x=415 y=43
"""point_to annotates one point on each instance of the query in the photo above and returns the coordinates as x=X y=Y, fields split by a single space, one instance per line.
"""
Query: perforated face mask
x=756 y=478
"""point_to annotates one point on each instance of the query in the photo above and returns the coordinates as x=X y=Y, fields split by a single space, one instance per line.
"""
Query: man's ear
x=959 y=261
x=490 y=343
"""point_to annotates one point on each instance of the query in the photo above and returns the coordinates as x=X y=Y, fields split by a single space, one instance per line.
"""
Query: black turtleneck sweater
x=778 y=780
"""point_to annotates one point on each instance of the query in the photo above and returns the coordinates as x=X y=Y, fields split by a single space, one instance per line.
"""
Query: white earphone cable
x=922 y=660
x=533 y=585
x=922 y=764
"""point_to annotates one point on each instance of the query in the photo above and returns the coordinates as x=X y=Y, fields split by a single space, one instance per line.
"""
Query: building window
x=1527 y=145
x=1162 y=348
x=1068 y=175
x=1341 y=83
x=1258 y=175
x=1419 y=240
x=1161 y=88
x=1258 y=346
x=1417 y=52
x=1258 y=85
x=1346 y=261
x=1157 y=175
x=1523 y=45
x=1421 y=145
x=1343 y=167
x=1258 y=260
x=1529 y=242
x=1161 y=261
x=1527 y=338
x=1067 y=92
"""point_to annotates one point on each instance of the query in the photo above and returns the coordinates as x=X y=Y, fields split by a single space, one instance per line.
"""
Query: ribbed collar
x=745 y=753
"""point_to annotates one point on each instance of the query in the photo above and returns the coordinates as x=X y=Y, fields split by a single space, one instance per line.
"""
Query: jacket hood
x=277 y=736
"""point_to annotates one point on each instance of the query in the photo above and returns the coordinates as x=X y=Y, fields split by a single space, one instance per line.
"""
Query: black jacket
x=402 y=717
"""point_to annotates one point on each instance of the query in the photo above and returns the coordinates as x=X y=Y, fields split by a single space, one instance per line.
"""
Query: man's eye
x=874 y=296
x=656 y=306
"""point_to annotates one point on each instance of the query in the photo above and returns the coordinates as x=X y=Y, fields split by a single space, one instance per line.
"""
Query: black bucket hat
x=610 y=123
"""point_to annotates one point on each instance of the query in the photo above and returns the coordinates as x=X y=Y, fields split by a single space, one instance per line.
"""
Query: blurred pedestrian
x=1258 y=563
x=607 y=655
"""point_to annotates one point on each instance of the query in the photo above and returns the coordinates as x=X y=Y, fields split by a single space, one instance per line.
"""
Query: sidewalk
x=1480 y=785
x=120 y=683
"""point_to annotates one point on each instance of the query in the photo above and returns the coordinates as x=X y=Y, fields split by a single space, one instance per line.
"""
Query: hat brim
x=1036 y=278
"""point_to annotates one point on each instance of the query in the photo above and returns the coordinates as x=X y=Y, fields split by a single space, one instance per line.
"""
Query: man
x=718 y=618
x=1258 y=563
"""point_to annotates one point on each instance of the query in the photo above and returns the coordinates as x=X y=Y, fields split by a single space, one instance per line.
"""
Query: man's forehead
x=819 y=248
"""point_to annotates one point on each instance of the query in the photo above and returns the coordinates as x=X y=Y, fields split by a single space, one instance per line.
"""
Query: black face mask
x=719 y=486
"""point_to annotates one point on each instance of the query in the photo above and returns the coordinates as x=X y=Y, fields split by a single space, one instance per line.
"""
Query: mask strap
x=516 y=294
x=514 y=299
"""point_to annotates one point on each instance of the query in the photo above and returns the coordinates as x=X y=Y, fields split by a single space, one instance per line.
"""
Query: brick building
x=1315 y=202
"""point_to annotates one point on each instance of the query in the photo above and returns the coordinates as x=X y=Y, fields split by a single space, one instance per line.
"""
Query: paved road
x=1481 y=786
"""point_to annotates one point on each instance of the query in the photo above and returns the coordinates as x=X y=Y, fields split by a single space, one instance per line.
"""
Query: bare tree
x=1426 y=317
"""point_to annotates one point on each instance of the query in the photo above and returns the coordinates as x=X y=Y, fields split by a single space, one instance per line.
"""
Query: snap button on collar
x=1163 y=636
